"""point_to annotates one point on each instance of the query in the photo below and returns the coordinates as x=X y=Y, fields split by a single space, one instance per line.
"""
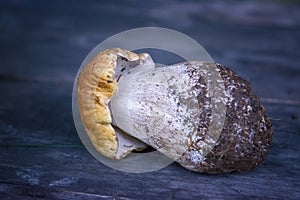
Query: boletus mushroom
x=126 y=103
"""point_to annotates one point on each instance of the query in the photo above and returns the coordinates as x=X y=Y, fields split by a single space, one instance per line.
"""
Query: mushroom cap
x=97 y=83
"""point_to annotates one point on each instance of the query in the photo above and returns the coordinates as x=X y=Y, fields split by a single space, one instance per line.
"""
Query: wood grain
x=42 y=47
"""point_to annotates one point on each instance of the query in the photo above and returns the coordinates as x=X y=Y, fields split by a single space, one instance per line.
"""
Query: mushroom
x=200 y=114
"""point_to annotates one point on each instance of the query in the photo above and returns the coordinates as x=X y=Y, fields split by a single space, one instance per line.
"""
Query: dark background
x=42 y=44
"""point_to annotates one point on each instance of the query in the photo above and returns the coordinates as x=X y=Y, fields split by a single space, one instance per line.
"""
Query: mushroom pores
x=97 y=83
x=126 y=103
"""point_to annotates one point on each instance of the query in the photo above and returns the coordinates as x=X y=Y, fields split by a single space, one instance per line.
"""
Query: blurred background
x=42 y=45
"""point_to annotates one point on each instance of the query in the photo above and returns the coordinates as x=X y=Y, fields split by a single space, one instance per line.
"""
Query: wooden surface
x=42 y=46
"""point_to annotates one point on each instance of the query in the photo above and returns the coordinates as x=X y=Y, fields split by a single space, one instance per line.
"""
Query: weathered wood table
x=42 y=46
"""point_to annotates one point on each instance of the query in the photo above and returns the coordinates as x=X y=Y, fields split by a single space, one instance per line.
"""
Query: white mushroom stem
x=159 y=107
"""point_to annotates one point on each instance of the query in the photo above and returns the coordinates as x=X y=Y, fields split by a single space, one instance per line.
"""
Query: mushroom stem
x=159 y=107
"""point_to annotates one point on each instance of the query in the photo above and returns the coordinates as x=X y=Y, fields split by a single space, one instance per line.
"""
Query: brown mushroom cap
x=97 y=83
